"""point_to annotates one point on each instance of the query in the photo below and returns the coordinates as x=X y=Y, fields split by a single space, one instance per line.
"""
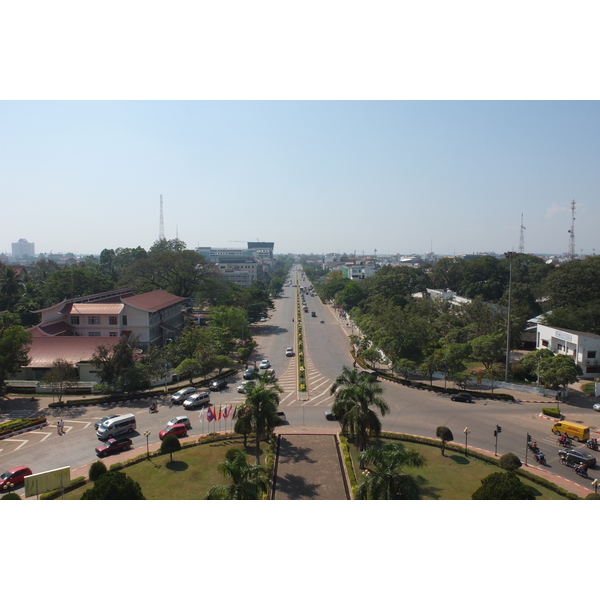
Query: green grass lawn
x=454 y=476
x=192 y=472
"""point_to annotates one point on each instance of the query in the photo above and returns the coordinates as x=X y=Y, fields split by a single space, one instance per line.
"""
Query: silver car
x=180 y=421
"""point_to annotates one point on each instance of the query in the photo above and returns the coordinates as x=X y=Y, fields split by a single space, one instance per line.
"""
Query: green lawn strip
x=454 y=476
x=192 y=472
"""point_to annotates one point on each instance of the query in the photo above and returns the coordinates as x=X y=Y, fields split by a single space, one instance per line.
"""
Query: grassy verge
x=454 y=476
x=192 y=472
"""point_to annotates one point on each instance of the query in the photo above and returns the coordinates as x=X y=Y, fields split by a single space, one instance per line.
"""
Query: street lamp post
x=147 y=434
x=466 y=432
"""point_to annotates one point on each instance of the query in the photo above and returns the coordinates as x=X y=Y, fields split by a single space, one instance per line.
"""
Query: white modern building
x=23 y=249
x=583 y=347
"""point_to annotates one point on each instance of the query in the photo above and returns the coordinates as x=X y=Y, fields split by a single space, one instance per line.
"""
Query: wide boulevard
x=326 y=351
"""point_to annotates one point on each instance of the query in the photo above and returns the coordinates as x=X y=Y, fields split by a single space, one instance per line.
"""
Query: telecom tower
x=522 y=238
x=161 y=228
x=572 y=233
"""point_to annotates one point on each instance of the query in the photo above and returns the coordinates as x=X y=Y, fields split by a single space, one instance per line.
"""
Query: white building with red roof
x=73 y=329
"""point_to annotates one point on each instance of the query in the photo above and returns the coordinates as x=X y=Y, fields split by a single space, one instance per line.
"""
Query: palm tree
x=384 y=479
x=355 y=394
x=260 y=408
x=11 y=286
x=246 y=480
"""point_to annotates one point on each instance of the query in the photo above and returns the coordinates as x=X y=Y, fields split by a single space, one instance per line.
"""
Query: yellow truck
x=577 y=432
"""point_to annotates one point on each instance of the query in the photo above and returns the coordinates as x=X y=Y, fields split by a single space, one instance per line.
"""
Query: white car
x=180 y=421
x=196 y=400
x=179 y=396
x=264 y=364
x=289 y=352
x=243 y=386
x=596 y=406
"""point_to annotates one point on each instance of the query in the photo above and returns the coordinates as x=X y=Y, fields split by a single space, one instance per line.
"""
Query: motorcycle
x=540 y=458
x=581 y=470
x=566 y=442
x=535 y=449
x=592 y=444
x=153 y=408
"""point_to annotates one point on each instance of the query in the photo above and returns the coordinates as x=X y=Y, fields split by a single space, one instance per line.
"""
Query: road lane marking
x=20 y=442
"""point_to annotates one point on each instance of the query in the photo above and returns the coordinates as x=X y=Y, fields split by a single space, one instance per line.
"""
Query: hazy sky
x=320 y=176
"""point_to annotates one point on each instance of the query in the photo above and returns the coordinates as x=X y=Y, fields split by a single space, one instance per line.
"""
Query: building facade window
x=75 y=320
x=93 y=334
x=93 y=320
x=124 y=320
x=113 y=321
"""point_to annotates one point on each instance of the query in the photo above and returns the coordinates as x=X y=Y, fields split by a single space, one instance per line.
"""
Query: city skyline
x=399 y=177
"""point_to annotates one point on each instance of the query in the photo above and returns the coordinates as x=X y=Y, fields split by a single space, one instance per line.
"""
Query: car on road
x=313 y=314
x=596 y=406
x=580 y=457
x=180 y=430
x=329 y=416
x=180 y=421
x=180 y=395
x=265 y=364
x=196 y=400
x=14 y=476
x=289 y=352
x=217 y=384
x=243 y=387
x=112 y=446
x=249 y=374
x=103 y=420
x=462 y=397
x=263 y=319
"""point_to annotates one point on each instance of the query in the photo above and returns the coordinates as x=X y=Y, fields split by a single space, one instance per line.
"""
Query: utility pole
x=572 y=233
x=510 y=256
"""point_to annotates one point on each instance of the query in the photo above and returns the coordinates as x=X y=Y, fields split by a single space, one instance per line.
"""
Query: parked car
x=249 y=374
x=180 y=421
x=180 y=395
x=14 y=476
x=103 y=420
x=180 y=430
x=217 y=384
x=263 y=319
x=462 y=397
x=596 y=406
x=264 y=364
x=289 y=352
x=112 y=445
x=329 y=416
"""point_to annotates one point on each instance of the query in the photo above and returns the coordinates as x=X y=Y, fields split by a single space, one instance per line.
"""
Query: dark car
x=462 y=397
x=103 y=420
x=579 y=457
x=313 y=314
x=14 y=476
x=249 y=374
x=329 y=416
x=367 y=374
x=179 y=430
x=113 y=445
x=217 y=384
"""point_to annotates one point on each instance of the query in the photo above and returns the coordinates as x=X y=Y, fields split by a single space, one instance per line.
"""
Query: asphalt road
x=327 y=351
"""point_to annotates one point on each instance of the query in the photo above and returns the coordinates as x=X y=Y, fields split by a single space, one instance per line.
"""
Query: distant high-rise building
x=23 y=249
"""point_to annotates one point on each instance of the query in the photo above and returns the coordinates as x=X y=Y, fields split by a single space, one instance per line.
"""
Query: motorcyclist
x=153 y=407
x=534 y=447
x=540 y=457
x=563 y=439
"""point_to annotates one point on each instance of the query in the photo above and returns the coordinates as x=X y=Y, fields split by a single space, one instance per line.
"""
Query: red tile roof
x=153 y=301
x=45 y=350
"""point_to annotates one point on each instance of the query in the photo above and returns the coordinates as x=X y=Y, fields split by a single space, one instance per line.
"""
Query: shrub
x=11 y=496
x=551 y=412
x=509 y=462
x=97 y=469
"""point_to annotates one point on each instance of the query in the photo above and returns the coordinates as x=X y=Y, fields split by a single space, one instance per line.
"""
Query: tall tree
x=61 y=377
x=114 y=485
x=14 y=345
x=355 y=397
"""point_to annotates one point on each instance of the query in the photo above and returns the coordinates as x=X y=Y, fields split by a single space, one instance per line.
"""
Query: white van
x=116 y=426
x=196 y=400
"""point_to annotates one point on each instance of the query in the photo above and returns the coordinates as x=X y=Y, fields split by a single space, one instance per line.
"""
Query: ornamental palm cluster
x=355 y=395
x=247 y=481
x=384 y=478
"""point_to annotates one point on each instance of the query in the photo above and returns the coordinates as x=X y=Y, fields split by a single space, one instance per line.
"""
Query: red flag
x=234 y=413
x=219 y=415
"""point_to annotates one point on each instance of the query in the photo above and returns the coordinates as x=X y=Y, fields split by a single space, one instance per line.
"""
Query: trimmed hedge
x=18 y=424
x=551 y=412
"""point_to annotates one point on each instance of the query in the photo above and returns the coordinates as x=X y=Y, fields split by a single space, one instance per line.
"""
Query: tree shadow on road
x=289 y=452
x=295 y=487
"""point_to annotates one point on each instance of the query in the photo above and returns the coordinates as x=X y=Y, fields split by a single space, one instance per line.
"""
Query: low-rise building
x=583 y=347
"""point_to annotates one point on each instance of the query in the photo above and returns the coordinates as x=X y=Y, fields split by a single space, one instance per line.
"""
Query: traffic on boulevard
x=78 y=436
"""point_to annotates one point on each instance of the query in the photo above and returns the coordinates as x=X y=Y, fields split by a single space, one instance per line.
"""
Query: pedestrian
x=61 y=425
x=58 y=428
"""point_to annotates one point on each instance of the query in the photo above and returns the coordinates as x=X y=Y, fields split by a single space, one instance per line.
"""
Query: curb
x=20 y=431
